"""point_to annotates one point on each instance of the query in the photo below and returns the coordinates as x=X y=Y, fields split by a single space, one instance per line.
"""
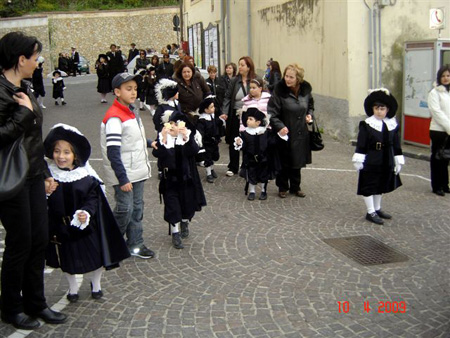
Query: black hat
x=121 y=78
x=102 y=56
x=257 y=114
x=64 y=132
x=206 y=103
x=165 y=89
x=383 y=96
x=56 y=71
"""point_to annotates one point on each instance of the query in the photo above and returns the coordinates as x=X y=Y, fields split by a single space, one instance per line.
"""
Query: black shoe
x=439 y=192
x=446 y=190
x=142 y=252
x=374 y=218
x=142 y=108
x=56 y=103
x=251 y=196
x=176 y=241
x=96 y=295
x=21 y=321
x=73 y=298
x=213 y=173
x=184 y=229
x=210 y=179
x=382 y=214
x=263 y=196
x=64 y=103
x=50 y=317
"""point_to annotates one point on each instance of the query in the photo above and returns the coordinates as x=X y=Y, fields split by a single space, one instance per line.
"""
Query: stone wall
x=93 y=32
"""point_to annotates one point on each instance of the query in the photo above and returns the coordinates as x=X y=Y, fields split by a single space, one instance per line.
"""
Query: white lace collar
x=72 y=175
x=377 y=124
x=207 y=117
x=255 y=131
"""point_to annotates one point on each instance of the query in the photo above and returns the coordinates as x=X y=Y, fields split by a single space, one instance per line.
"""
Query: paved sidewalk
x=261 y=268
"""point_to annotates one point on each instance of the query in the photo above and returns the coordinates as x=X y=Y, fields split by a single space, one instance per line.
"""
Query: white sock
x=73 y=284
x=377 y=202
x=175 y=227
x=185 y=220
x=62 y=100
x=96 y=278
x=251 y=188
x=369 y=204
x=208 y=170
x=263 y=187
x=141 y=104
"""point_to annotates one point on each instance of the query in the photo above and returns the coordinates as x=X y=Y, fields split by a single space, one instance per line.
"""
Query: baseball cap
x=121 y=78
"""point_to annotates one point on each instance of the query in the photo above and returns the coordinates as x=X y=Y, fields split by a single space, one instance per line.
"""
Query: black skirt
x=377 y=182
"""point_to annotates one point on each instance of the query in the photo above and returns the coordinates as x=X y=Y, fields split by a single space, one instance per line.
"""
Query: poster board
x=211 y=39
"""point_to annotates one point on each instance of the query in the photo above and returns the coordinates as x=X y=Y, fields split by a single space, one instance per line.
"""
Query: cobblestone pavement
x=261 y=269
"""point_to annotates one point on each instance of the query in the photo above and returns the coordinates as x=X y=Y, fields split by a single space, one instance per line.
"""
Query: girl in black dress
x=378 y=156
x=104 y=84
x=84 y=236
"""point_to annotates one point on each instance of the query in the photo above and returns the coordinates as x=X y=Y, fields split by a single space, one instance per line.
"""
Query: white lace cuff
x=76 y=223
x=399 y=159
x=180 y=139
x=285 y=137
x=357 y=157
x=237 y=146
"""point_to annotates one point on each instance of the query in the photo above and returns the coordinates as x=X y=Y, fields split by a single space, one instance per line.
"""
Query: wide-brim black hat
x=70 y=134
x=206 y=103
x=380 y=95
x=102 y=56
x=56 y=71
x=165 y=89
x=257 y=114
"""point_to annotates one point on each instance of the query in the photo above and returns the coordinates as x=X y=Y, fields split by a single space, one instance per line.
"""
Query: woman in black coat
x=275 y=75
x=232 y=104
x=24 y=215
x=291 y=108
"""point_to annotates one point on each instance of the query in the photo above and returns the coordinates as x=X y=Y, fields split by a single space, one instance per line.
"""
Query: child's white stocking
x=175 y=227
x=369 y=204
x=377 y=202
x=73 y=284
x=251 y=188
x=208 y=170
x=95 y=279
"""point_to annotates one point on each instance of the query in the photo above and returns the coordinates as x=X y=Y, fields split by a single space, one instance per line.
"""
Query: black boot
x=184 y=229
x=176 y=241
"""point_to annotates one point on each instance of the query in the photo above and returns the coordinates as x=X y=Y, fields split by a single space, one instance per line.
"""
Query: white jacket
x=439 y=105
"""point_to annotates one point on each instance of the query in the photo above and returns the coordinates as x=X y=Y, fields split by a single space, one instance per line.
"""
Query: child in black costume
x=259 y=162
x=180 y=183
x=58 y=88
x=84 y=235
x=378 y=156
x=211 y=128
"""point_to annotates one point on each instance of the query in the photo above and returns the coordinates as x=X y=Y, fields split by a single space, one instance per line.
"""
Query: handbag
x=444 y=152
x=315 y=138
x=13 y=168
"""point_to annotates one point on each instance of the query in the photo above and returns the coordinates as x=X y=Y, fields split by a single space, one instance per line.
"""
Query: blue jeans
x=129 y=212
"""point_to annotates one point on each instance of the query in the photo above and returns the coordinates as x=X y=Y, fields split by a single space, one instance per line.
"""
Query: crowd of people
x=60 y=216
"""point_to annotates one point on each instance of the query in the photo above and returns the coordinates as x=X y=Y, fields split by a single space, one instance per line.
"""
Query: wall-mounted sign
x=437 y=18
x=211 y=38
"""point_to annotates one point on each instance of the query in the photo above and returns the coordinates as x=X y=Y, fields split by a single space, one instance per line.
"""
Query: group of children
x=86 y=236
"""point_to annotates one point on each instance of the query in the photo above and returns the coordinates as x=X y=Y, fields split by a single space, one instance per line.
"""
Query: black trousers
x=25 y=220
x=288 y=179
x=439 y=168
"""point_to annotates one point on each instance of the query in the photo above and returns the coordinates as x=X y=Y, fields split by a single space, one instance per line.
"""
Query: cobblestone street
x=261 y=268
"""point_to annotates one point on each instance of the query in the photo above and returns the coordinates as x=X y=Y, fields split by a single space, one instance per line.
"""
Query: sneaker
x=374 y=218
x=176 y=241
x=64 y=103
x=229 y=173
x=213 y=173
x=184 y=229
x=142 y=252
x=210 y=178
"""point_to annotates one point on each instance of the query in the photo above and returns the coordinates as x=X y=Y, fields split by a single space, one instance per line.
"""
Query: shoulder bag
x=13 y=168
x=315 y=138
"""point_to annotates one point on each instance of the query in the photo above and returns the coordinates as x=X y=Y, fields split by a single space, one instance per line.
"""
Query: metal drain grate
x=366 y=250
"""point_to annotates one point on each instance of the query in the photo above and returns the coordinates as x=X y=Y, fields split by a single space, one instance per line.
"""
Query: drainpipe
x=228 y=33
x=380 y=55
x=249 y=29
x=374 y=39
x=222 y=41
x=370 y=53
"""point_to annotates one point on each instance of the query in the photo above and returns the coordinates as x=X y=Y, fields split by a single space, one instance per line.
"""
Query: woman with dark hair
x=165 y=69
x=24 y=215
x=439 y=104
x=232 y=104
x=291 y=108
x=274 y=76
x=191 y=90
x=228 y=74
